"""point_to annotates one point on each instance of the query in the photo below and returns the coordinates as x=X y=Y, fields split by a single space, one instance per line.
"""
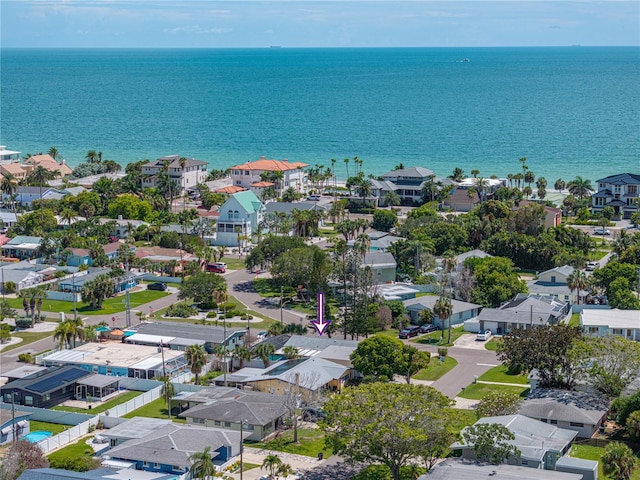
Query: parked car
x=157 y=286
x=216 y=268
x=409 y=332
x=262 y=335
x=428 y=328
x=313 y=198
x=601 y=231
x=591 y=266
x=310 y=414
x=482 y=336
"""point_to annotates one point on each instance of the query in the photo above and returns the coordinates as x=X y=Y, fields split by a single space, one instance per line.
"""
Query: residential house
x=460 y=259
x=380 y=241
x=44 y=389
x=312 y=374
x=601 y=323
x=120 y=360
x=383 y=266
x=466 y=469
x=275 y=210
x=523 y=311
x=582 y=412
x=26 y=195
x=178 y=336
x=333 y=349
x=239 y=217
x=8 y=219
x=16 y=170
x=121 y=283
x=22 y=372
x=23 y=274
x=193 y=173
x=249 y=175
x=397 y=291
x=22 y=247
x=465 y=195
x=553 y=283
x=621 y=192
x=18 y=421
x=408 y=183
x=260 y=412
x=8 y=156
x=552 y=215
x=46 y=161
x=540 y=444
x=167 y=449
x=122 y=228
x=132 y=429
x=82 y=256
x=461 y=311
x=98 y=474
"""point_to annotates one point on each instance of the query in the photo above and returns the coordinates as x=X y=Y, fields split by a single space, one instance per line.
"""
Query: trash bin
x=320 y=456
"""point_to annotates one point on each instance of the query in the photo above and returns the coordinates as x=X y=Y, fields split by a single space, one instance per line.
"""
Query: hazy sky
x=309 y=23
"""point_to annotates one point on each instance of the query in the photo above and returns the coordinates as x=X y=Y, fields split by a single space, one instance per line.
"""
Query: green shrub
x=212 y=315
x=25 y=357
x=23 y=322
x=77 y=463
x=10 y=287
x=181 y=310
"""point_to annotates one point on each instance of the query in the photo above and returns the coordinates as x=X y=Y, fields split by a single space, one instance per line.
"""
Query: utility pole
x=127 y=299
x=281 y=298
x=224 y=348
x=75 y=297
x=13 y=416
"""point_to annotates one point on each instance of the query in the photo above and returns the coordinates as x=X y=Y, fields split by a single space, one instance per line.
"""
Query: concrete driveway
x=469 y=341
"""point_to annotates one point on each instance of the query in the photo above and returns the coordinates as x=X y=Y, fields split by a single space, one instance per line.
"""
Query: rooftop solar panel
x=288 y=365
x=58 y=379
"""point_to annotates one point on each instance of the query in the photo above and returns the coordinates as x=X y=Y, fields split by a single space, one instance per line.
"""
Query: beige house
x=47 y=162
x=184 y=177
x=15 y=169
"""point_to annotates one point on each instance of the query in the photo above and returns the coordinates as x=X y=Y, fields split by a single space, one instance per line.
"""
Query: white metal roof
x=145 y=337
x=610 y=318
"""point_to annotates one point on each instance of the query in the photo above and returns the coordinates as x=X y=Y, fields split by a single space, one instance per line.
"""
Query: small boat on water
x=465 y=60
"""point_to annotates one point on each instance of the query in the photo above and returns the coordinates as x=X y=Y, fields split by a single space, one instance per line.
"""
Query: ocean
x=569 y=110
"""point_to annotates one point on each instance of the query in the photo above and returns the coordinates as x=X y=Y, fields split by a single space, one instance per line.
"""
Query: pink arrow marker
x=319 y=324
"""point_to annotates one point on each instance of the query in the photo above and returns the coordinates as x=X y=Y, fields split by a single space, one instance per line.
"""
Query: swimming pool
x=35 y=437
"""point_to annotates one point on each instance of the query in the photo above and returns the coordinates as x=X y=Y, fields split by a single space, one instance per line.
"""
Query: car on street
x=217 y=267
x=482 y=336
x=591 y=266
x=157 y=286
x=408 y=332
x=313 y=198
x=601 y=231
x=428 y=328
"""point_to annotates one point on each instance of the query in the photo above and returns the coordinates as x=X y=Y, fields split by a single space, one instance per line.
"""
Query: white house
x=625 y=323
x=248 y=175
x=239 y=217
x=621 y=192
x=193 y=173
x=461 y=311
x=553 y=283
x=406 y=182
x=8 y=156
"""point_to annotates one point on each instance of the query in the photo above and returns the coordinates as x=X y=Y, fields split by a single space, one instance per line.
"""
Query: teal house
x=239 y=218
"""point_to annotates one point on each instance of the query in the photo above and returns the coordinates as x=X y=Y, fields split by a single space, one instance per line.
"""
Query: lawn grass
x=575 y=320
x=436 y=369
x=499 y=374
x=310 y=443
x=462 y=418
x=477 y=391
x=54 y=428
x=155 y=409
x=27 y=338
x=109 y=306
x=120 y=399
x=234 y=263
x=588 y=452
x=493 y=344
x=434 y=338
x=76 y=456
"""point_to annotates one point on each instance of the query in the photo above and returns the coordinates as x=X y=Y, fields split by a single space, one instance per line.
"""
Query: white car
x=601 y=231
x=482 y=336
x=591 y=266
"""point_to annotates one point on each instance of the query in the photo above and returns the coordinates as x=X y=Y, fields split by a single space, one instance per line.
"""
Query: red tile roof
x=231 y=189
x=270 y=165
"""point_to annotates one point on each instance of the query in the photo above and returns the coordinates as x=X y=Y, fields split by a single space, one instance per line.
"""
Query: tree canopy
x=202 y=287
x=388 y=423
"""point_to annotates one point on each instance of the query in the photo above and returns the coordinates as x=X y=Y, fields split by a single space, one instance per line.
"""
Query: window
x=197 y=420
x=249 y=427
x=543 y=420
x=576 y=424
x=617 y=331
x=7 y=398
x=553 y=422
x=156 y=465
x=525 y=462
x=227 y=424
x=46 y=397
x=553 y=279
x=113 y=442
x=246 y=172
x=28 y=400
x=145 y=464
x=217 y=423
x=176 y=468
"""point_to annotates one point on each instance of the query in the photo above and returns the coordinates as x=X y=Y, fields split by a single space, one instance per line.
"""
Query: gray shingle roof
x=99 y=474
x=256 y=408
x=563 y=405
x=462 y=469
x=173 y=444
x=186 y=331
x=429 y=301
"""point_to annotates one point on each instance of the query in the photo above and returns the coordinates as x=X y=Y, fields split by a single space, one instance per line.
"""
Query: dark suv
x=409 y=332
x=157 y=286
x=428 y=328
x=312 y=414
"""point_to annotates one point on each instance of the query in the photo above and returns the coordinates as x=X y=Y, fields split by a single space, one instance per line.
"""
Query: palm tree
x=579 y=188
x=559 y=185
x=443 y=309
x=168 y=391
x=62 y=333
x=202 y=465
x=242 y=354
x=272 y=463
x=196 y=358
x=577 y=280
x=391 y=198
x=93 y=157
x=291 y=352
x=618 y=461
x=264 y=351
x=53 y=151
x=457 y=174
x=9 y=186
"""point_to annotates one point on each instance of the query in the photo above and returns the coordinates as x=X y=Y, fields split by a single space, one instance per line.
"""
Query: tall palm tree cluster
x=32 y=302
x=70 y=330
x=95 y=291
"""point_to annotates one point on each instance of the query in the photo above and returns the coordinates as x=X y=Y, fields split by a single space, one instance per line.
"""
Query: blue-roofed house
x=22 y=247
x=75 y=284
x=239 y=217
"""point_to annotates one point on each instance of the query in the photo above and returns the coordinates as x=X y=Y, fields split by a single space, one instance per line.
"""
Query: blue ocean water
x=571 y=111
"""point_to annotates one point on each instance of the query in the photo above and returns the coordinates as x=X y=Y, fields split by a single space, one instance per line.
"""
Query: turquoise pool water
x=35 y=437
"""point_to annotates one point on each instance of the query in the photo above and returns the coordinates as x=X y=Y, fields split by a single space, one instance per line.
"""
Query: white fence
x=134 y=403
x=68 y=436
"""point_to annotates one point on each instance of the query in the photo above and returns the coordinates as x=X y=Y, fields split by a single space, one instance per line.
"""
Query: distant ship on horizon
x=275 y=46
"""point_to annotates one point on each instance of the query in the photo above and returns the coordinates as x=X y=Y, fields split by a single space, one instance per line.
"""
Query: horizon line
x=282 y=47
